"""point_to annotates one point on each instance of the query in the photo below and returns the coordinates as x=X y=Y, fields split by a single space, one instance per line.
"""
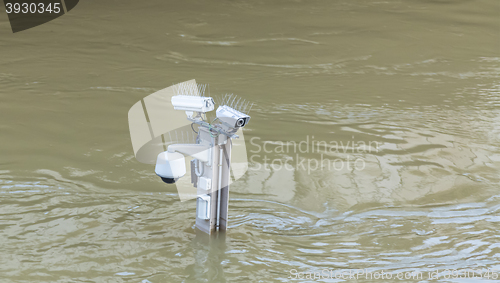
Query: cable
x=199 y=174
x=210 y=130
x=210 y=127
x=214 y=136
x=193 y=128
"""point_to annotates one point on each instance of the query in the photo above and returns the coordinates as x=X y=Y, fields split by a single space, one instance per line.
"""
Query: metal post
x=224 y=190
x=217 y=194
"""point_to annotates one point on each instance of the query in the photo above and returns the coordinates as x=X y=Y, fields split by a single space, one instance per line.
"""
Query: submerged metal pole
x=213 y=185
x=224 y=188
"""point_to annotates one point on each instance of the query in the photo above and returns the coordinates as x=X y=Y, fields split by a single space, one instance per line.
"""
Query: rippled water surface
x=417 y=80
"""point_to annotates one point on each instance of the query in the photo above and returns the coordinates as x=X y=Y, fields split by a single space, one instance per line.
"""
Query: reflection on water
x=59 y=232
x=422 y=156
x=419 y=79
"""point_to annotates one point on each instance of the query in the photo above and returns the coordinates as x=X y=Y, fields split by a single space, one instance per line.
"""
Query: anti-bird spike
x=240 y=107
x=223 y=99
x=245 y=106
x=236 y=105
x=201 y=89
x=228 y=99
x=220 y=100
x=249 y=109
x=232 y=102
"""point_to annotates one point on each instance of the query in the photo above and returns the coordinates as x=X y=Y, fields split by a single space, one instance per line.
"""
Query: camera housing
x=193 y=103
x=170 y=166
x=232 y=118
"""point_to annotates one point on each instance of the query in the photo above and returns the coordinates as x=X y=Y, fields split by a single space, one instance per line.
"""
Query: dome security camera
x=170 y=166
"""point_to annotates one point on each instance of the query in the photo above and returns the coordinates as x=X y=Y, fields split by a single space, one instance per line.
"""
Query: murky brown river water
x=418 y=79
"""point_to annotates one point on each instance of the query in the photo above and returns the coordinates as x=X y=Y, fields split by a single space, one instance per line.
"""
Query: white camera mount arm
x=197 y=151
x=215 y=128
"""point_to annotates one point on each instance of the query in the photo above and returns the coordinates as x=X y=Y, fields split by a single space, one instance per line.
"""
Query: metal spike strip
x=230 y=100
x=235 y=102
x=190 y=89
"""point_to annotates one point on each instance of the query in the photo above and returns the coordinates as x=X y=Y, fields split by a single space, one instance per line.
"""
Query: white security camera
x=232 y=118
x=170 y=166
x=193 y=103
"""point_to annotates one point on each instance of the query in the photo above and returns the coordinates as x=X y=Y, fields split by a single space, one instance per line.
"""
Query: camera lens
x=168 y=180
x=240 y=122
